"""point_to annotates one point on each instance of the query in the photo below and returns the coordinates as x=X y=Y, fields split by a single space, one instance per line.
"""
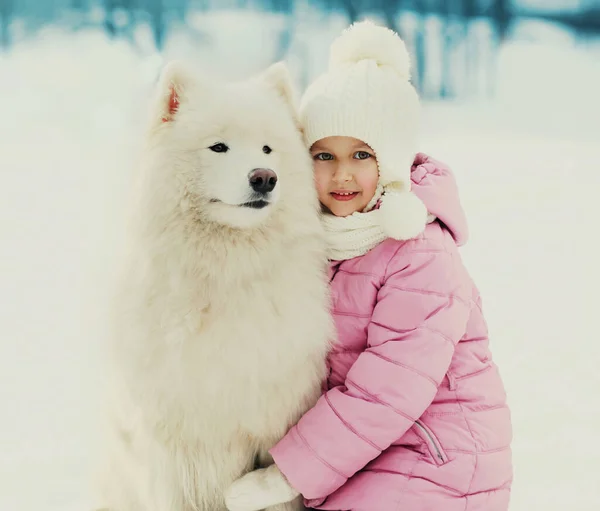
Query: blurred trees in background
x=441 y=34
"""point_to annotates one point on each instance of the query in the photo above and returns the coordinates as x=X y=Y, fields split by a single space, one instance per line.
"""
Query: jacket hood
x=434 y=183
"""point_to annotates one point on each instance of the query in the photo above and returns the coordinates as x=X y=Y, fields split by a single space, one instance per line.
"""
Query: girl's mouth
x=343 y=196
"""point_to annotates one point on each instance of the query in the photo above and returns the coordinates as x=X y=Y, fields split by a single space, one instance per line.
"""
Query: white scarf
x=354 y=235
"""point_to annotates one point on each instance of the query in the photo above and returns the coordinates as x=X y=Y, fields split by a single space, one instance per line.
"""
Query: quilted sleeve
x=421 y=313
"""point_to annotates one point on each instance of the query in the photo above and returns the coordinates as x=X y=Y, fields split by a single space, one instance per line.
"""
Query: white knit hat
x=366 y=94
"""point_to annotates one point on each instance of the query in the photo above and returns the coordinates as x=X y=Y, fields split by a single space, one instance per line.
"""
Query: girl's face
x=346 y=174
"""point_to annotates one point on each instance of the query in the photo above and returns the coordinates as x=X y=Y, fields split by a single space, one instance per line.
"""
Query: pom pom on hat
x=367 y=41
x=402 y=215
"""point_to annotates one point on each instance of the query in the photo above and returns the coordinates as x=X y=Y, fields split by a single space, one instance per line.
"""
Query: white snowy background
x=528 y=165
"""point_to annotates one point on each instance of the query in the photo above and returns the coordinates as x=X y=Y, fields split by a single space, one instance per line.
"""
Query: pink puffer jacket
x=415 y=415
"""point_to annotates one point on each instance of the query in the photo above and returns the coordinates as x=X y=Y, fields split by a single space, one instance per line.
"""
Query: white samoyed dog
x=222 y=319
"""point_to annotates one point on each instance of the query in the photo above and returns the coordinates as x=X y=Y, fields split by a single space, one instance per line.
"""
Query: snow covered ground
x=529 y=171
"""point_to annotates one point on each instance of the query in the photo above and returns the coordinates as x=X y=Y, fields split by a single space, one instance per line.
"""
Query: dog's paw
x=258 y=490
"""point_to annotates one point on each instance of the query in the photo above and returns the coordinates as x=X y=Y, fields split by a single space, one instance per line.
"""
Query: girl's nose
x=341 y=175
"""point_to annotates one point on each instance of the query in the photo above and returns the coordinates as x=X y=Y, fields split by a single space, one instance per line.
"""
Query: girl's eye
x=324 y=157
x=219 y=148
x=362 y=155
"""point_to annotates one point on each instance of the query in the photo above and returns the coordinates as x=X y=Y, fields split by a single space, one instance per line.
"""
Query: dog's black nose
x=262 y=180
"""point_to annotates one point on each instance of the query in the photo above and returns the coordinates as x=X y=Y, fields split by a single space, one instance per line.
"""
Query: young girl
x=414 y=417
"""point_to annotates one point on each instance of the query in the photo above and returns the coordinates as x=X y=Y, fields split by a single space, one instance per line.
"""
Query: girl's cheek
x=367 y=179
x=371 y=173
x=322 y=180
x=364 y=176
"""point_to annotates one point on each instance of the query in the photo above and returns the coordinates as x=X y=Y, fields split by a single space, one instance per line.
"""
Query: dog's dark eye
x=267 y=149
x=219 y=148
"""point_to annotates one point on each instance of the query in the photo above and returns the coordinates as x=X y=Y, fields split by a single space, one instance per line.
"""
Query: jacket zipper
x=438 y=451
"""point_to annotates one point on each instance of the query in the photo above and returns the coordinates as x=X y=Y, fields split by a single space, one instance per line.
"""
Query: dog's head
x=226 y=144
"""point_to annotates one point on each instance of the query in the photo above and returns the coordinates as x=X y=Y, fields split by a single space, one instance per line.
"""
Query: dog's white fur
x=222 y=323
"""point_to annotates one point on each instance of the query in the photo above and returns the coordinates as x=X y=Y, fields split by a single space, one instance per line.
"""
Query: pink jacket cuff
x=304 y=470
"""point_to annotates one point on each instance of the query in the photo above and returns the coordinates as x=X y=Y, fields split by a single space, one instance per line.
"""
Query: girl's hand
x=258 y=490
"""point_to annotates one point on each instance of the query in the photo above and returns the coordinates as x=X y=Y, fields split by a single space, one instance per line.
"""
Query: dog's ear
x=171 y=91
x=277 y=76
